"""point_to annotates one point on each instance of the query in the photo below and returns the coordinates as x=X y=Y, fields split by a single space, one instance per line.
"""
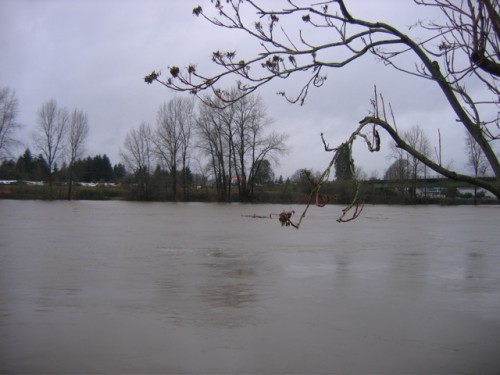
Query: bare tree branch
x=463 y=47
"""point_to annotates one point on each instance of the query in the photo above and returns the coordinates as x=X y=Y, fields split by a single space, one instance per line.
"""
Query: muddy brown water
x=121 y=287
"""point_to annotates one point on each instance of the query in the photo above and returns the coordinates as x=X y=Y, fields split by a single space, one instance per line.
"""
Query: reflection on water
x=114 y=287
x=222 y=281
x=229 y=280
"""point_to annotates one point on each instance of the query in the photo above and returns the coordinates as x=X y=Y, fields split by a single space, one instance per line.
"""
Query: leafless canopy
x=77 y=135
x=8 y=120
x=138 y=155
x=52 y=127
x=172 y=138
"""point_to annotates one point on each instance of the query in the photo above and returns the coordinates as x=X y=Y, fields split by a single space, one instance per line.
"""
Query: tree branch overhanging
x=463 y=47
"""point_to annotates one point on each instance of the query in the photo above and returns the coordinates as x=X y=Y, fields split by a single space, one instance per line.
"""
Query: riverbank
x=286 y=193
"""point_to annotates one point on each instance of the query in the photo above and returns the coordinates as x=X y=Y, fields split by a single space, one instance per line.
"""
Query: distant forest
x=25 y=178
x=198 y=152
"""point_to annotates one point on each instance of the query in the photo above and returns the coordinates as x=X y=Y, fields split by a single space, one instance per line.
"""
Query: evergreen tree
x=25 y=165
x=8 y=170
x=119 y=172
x=263 y=172
x=40 y=169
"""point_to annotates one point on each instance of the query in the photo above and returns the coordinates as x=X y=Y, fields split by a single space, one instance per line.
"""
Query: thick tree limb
x=431 y=164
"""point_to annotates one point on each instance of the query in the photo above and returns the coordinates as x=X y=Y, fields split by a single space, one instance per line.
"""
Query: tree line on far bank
x=223 y=145
x=28 y=167
x=195 y=151
x=113 y=182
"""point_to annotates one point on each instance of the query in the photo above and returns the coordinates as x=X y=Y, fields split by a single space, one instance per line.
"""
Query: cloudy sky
x=93 y=55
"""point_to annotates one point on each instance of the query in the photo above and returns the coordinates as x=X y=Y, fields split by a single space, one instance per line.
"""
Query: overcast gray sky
x=93 y=55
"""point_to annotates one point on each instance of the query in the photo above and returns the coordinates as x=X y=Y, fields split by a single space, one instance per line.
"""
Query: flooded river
x=121 y=287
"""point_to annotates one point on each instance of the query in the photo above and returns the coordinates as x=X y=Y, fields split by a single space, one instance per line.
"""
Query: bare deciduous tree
x=50 y=133
x=188 y=123
x=249 y=142
x=475 y=159
x=8 y=121
x=138 y=155
x=236 y=140
x=462 y=51
x=77 y=135
x=413 y=168
x=212 y=136
x=172 y=139
x=416 y=138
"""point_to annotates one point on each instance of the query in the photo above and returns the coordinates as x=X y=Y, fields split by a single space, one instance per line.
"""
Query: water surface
x=122 y=287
